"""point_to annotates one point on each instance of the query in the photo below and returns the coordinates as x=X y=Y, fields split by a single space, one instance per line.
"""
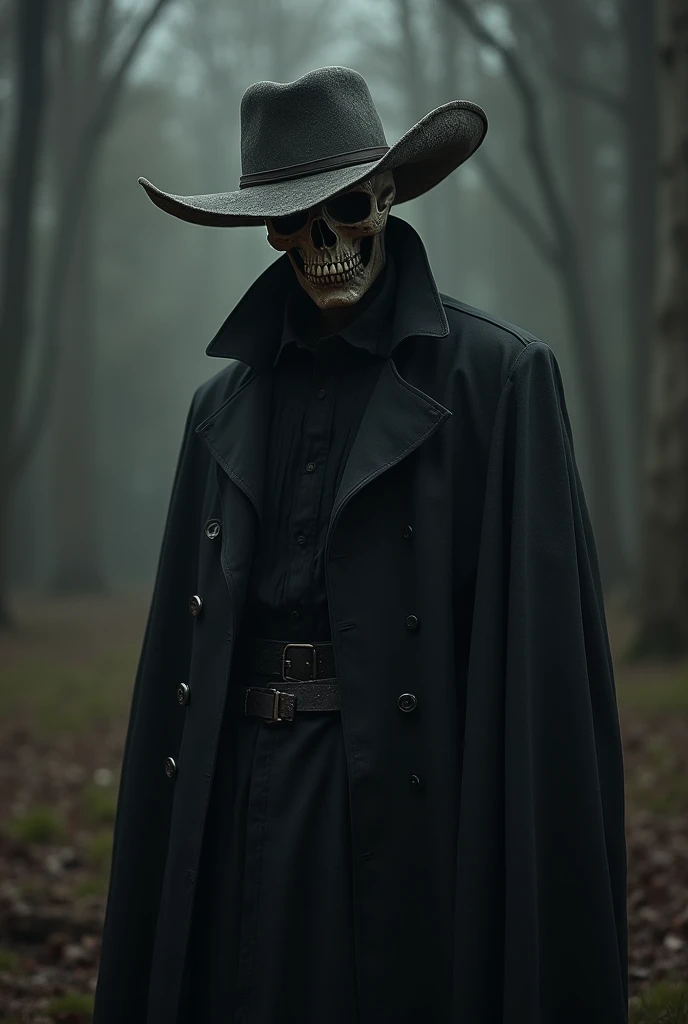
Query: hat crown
x=321 y=115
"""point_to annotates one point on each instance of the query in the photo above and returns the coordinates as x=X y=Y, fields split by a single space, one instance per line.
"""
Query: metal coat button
x=320 y=393
x=407 y=701
x=212 y=529
x=170 y=767
x=415 y=781
x=310 y=466
x=183 y=693
x=195 y=604
x=407 y=532
x=412 y=621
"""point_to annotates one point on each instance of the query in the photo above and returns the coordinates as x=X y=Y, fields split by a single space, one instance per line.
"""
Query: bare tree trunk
x=422 y=87
x=584 y=285
x=17 y=266
x=664 y=582
x=73 y=438
x=639 y=127
x=75 y=485
x=445 y=198
x=575 y=145
x=415 y=95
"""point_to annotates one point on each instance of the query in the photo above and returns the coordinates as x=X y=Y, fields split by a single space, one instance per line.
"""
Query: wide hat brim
x=429 y=151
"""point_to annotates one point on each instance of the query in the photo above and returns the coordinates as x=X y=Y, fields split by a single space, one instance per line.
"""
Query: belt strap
x=288 y=661
x=275 y=704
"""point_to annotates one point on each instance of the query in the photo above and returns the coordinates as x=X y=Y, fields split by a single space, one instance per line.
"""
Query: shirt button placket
x=315 y=452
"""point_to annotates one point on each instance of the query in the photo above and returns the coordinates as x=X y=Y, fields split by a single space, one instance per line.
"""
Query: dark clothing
x=486 y=823
x=319 y=395
x=272 y=936
x=273 y=942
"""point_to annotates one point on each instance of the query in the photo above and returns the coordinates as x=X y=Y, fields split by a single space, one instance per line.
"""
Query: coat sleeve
x=541 y=882
x=144 y=803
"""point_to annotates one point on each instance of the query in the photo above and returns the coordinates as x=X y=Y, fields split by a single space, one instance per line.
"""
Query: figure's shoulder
x=485 y=338
x=210 y=395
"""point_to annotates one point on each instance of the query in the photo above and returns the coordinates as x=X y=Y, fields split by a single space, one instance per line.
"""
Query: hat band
x=327 y=163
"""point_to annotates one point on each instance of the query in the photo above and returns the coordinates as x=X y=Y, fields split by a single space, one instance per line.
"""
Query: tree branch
x=519 y=210
x=611 y=101
x=522 y=16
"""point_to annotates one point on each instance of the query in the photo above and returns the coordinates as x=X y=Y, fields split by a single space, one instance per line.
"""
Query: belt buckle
x=297 y=679
x=275 y=715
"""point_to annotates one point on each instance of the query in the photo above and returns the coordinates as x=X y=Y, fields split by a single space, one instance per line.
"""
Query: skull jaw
x=348 y=293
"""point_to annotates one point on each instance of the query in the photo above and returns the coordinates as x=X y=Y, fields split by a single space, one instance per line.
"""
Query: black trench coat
x=495 y=891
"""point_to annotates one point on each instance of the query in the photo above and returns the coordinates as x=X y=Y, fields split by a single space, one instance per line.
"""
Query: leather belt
x=275 y=705
x=306 y=682
x=288 y=661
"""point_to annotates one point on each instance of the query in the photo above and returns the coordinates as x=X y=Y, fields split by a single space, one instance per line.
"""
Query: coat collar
x=366 y=331
x=252 y=332
x=398 y=418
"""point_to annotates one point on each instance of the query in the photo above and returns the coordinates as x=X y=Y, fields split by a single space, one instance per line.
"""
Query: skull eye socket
x=351 y=208
x=289 y=224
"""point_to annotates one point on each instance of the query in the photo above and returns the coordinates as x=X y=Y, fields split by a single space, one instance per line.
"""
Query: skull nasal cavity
x=322 y=235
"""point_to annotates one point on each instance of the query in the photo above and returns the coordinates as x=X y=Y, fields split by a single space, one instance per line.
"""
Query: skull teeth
x=333 y=273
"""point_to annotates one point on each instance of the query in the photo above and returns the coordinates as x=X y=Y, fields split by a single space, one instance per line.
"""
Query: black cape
x=494 y=890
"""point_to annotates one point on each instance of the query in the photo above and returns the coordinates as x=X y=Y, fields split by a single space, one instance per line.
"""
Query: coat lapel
x=237 y=435
x=397 y=419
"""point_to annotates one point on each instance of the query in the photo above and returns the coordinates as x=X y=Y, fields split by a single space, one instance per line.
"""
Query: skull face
x=337 y=248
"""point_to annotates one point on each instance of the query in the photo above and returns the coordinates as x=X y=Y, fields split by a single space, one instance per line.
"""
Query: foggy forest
x=571 y=221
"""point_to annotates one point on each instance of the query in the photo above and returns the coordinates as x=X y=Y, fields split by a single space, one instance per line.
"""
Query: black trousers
x=271 y=940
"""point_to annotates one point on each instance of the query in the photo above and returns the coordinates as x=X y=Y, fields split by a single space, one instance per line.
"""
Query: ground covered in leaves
x=67 y=671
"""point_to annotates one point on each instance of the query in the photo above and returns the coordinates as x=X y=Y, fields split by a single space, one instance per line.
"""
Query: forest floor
x=67 y=671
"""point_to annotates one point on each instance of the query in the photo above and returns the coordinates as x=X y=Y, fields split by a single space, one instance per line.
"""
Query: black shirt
x=319 y=396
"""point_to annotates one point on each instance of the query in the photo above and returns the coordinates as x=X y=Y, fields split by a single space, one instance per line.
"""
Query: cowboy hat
x=303 y=142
